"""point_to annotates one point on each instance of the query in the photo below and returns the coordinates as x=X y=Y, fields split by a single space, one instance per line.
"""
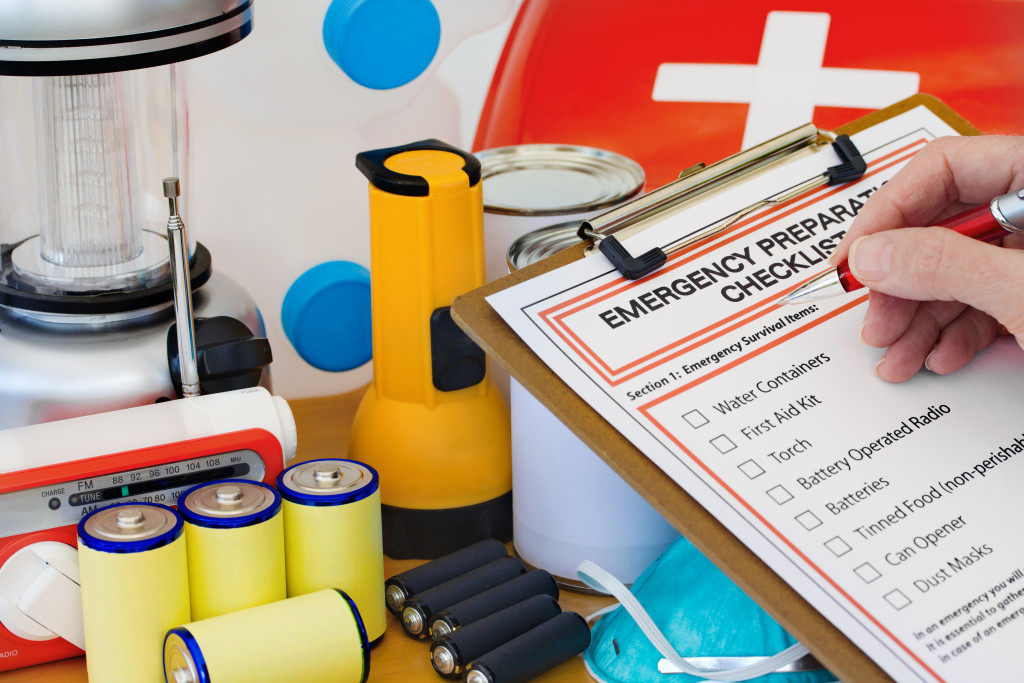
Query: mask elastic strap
x=599 y=579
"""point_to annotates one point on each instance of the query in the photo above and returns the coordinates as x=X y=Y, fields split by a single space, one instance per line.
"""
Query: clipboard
x=472 y=312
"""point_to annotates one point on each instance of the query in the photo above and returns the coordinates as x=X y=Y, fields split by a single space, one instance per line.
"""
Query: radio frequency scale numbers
x=35 y=509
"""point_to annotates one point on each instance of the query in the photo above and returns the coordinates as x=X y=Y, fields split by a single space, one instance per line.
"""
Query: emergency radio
x=53 y=474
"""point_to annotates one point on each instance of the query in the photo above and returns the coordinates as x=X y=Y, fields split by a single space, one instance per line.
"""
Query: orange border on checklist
x=555 y=316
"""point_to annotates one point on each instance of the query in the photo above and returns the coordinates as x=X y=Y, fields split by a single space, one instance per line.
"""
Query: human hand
x=937 y=297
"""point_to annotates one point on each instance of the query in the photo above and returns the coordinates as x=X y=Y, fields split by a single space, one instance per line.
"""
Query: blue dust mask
x=699 y=612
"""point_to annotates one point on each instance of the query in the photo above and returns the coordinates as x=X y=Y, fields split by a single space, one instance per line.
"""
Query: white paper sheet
x=893 y=509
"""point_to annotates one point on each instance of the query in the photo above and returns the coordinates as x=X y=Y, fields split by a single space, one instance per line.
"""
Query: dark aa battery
x=417 y=610
x=403 y=586
x=529 y=655
x=450 y=653
x=536 y=582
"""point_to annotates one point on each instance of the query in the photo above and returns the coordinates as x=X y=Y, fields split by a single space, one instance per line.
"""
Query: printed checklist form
x=892 y=509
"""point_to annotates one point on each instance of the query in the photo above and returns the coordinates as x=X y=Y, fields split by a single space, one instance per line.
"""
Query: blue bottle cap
x=382 y=44
x=326 y=316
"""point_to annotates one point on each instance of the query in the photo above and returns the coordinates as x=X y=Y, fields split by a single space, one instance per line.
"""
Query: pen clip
x=851 y=167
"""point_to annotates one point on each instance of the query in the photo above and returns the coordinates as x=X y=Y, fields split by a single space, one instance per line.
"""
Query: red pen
x=987 y=223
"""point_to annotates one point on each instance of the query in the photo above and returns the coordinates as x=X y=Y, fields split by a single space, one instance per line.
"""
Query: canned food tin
x=235 y=540
x=529 y=186
x=541 y=243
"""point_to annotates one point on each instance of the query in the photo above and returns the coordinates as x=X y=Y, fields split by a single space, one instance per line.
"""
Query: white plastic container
x=567 y=504
x=527 y=187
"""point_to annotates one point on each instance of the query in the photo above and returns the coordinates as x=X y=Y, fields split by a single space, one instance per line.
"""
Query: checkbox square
x=695 y=419
x=838 y=546
x=867 y=572
x=897 y=599
x=751 y=469
x=808 y=520
x=779 y=494
x=723 y=443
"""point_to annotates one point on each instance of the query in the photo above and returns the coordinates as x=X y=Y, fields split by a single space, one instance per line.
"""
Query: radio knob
x=40 y=597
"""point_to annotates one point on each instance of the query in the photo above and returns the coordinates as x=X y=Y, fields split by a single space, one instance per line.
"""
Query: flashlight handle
x=426 y=248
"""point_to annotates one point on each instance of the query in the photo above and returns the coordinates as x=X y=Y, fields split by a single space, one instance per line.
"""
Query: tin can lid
x=556 y=180
x=130 y=527
x=229 y=503
x=330 y=481
x=540 y=243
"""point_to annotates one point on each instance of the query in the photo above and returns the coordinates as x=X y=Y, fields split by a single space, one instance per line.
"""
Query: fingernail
x=927 y=360
x=870 y=257
x=879 y=365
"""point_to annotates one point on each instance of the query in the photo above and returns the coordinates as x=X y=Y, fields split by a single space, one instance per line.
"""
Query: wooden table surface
x=323 y=426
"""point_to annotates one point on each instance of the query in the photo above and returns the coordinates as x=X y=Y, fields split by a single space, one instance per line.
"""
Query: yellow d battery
x=234 y=534
x=134 y=575
x=313 y=638
x=332 y=530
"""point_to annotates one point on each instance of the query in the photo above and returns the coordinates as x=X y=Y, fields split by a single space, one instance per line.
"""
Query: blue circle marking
x=382 y=44
x=326 y=316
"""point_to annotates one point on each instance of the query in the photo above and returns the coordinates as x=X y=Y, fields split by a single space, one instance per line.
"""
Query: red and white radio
x=53 y=474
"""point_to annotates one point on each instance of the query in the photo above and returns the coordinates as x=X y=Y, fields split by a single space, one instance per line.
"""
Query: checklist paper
x=891 y=508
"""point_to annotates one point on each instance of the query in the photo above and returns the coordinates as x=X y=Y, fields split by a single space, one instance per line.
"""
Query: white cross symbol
x=788 y=80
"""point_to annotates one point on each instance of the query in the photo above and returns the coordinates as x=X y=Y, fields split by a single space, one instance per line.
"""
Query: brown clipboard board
x=472 y=312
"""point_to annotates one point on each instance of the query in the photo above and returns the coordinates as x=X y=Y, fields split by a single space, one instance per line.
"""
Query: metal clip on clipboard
x=701 y=179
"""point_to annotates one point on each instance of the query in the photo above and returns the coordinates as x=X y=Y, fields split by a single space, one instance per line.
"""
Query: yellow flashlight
x=432 y=423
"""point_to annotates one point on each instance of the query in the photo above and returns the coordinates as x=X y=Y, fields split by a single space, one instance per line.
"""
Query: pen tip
x=821 y=286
